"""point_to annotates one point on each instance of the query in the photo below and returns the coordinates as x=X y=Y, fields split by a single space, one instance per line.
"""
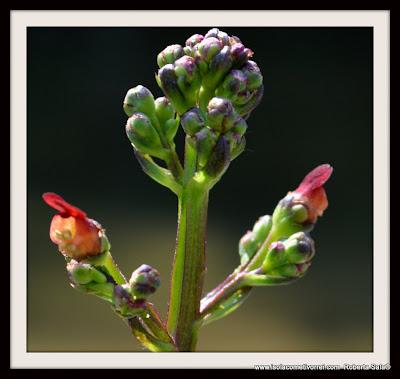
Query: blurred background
x=317 y=108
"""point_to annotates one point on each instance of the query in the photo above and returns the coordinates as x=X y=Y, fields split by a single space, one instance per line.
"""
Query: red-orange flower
x=76 y=235
x=311 y=192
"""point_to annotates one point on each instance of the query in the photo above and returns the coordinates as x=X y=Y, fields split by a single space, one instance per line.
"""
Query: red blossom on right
x=311 y=192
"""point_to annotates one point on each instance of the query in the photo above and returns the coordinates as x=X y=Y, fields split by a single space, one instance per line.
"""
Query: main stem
x=189 y=264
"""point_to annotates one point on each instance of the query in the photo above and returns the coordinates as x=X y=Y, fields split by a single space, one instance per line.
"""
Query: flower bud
x=139 y=99
x=188 y=79
x=208 y=48
x=235 y=137
x=251 y=102
x=219 y=158
x=164 y=109
x=218 y=68
x=84 y=273
x=167 y=80
x=192 y=121
x=205 y=142
x=144 y=281
x=194 y=40
x=252 y=240
x=253 y=75
x=219 y=34
x=220 y=114
x=124 y=303
x=234 y=83
x=169 y=55
x=143 y=135
x=240 y=55
x=297 y=249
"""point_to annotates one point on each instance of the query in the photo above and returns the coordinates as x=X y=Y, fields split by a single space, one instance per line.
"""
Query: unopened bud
x=208 y=48
x=240 y=55
x=220 y=114
x=253 y=75
x=218 y=68
x=169 y=55
x=192 y=121
x=205 y=142
x=124 y=302
x=194 y=40
x=139 y=99
x=219 y=34
x=219 y=158
x=84 y=273
x=188 y=79
x=144 y=281
x=164 y=109
x=143 y=135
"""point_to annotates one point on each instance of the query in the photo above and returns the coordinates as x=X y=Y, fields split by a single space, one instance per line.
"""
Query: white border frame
x=20 y=20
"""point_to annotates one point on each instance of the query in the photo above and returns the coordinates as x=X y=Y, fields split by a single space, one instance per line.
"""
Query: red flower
x=76 y=235
x=311 y=192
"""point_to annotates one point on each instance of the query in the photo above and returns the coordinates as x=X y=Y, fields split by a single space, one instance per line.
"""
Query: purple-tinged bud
x=144 y=282
x=299 y=248
x=220 y=114
x=124 y=302
x=208 y=48
x=205 y=142
x=188 y=79
x=253 y=75
x=255 y=98
x=233 y=84
x=235 y=137
x=167 y=80
x=233 y=40
x=240 y=55
x=218 y=68
x=194 y=40
x=192 y=121
x=219 y=34
x=169 y=55
x=139 y=99
x=219 y=159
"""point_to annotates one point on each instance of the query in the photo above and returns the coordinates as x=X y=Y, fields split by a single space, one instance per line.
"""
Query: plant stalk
x=189 y=264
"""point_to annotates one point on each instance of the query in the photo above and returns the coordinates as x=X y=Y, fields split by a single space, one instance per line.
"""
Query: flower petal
x=57 y=202
x=315 y=179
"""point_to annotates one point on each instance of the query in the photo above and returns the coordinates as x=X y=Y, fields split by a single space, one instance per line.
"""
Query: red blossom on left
x=76 y=235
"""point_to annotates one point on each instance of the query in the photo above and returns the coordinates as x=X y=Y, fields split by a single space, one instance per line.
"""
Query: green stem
x=189 y=263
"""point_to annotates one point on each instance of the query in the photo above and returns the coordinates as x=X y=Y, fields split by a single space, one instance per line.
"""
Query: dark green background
x=317 y=108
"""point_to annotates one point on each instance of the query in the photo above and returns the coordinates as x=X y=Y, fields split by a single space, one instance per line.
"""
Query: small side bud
x=188 y=79
x=164 y=109
x=169 y=55
x=139 y=99
x=84 y=273
x=240 y=55
x=194 y=40
x=192 y=121
x=205 y=142
x=208 y=48
x=144 y=281
x=143 y=135
x=124 y=303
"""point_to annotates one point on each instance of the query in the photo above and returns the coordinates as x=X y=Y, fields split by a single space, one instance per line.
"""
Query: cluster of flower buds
x=218 y=134
x=215 y=64
x=279 y=246
x=152 y=125
x=129 y=299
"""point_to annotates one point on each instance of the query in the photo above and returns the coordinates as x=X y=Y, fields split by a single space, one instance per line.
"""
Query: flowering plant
x=211 y=86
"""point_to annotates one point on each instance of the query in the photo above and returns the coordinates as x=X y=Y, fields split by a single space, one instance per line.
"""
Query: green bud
x=235 y=137
x=275 y=257
x=208 y=48
x=290 y=270
x=290 y=218
x=251 y=102
x=192 y=121
x=143 y=135
x=169 y=55
x=220 y=114
x=299 y=248
x=170 y=128
x=164 y=109
x=83 y=273
x=219 y=159
x=144 y=281
x=262 y=228
x=139 y=99
x=247 y=247
x=205 y=142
